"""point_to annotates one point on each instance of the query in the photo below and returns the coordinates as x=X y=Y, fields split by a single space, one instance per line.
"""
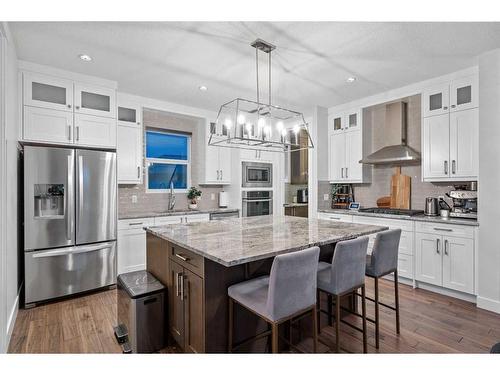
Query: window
x=167 y=160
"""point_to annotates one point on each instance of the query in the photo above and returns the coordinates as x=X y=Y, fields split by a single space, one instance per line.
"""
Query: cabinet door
x=436 y=147
x=428 y=258
x=48 y=92
x=176 y=303
x=131 y=254
x=96 y=101
x=435 y=100
x=464 y=143
x=337 y=123
x=129 y=153
x=458 y=264
x=224 y=165
x=95 y=131
x=212 y=172
x=352 y=120
x=464 y=93
x=47 y=125
x=337 y=157
x=354 y=153
x=129 y=113
x=194 y=317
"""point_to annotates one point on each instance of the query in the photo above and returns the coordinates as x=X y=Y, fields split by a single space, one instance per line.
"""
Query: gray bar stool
x=345 y=275
x=288 y=292
x=384 y=261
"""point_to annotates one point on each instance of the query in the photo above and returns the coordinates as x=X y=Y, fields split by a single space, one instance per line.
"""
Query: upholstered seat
x=252 y=293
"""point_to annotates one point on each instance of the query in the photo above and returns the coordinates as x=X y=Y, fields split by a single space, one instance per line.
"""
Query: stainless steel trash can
x=141 y=311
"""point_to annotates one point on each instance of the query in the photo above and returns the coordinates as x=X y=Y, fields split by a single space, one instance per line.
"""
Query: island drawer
x=445 y=229
x=188 y=259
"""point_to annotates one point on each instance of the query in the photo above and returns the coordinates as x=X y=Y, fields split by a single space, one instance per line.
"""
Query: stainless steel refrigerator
x=69 y=221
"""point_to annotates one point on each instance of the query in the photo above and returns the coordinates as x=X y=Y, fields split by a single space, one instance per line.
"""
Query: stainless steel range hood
x=395 y=154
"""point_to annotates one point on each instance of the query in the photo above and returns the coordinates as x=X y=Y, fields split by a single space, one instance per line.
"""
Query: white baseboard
x=12 y=321
x=488 y=304
x=447 y=292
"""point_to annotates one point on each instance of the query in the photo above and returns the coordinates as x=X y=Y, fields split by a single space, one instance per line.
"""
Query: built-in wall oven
x=257 y=203
x=257 y=175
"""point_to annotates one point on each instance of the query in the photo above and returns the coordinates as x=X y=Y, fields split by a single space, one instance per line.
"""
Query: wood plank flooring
x=430 y=323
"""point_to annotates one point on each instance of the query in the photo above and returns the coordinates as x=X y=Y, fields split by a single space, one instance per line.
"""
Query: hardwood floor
x=430 y=323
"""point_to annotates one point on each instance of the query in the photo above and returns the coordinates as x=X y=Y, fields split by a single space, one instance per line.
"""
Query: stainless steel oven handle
x=72 y=250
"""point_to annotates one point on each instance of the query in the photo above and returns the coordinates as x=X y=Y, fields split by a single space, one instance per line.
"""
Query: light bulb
x=279 y=125
x=296 y=129
x=241 y=119
x=228 y=123
x=261 y=123
x=283 y=132
x=249 y=128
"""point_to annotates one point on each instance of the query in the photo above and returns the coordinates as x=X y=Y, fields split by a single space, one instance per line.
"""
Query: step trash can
x=141 y=312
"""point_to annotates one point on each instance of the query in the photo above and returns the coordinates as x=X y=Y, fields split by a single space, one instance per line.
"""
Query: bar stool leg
x=337 y=323
x=230 y=327
x=330 y=312
x=315 y=329
x=274 y=333
x=318 y=310
x=363 y=312
x=377 y=328
x=396 y=296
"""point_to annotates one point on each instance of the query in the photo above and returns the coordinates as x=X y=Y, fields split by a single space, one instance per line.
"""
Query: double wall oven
x=257 y=175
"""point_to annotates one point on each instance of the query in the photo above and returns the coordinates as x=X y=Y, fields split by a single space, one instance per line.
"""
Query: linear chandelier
x=249 y=124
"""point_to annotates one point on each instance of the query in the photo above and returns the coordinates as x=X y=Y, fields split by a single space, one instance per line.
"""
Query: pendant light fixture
x=248 y=124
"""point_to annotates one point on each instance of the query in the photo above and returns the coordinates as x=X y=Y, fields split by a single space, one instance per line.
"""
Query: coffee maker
x=464 y=202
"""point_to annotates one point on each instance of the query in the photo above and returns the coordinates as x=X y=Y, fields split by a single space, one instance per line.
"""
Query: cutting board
x=400 y=190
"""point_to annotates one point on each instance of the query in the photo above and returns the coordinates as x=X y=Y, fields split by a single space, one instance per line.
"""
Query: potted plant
x=193 y=196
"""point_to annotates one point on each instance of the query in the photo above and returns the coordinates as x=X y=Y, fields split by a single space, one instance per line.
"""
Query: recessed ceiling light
x=84 y=57
x=351 y=79
x=203 y=88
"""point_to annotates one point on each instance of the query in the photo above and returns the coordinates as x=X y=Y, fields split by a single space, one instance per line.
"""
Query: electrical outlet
x=212 y=196
x=326 y=197
x=134 y=198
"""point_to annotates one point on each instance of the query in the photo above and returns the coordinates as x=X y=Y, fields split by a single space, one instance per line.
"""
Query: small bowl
x=445 y=214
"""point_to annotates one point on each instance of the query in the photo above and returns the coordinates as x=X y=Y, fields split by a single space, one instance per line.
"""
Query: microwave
x=257 y=175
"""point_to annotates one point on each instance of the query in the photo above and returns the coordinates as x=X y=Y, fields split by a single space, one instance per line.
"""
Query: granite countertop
x=295 y=204
x=241 y=240
x=433 y=219
x=135 y=215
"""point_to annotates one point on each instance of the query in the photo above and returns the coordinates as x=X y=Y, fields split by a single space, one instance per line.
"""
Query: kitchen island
x=199 y=261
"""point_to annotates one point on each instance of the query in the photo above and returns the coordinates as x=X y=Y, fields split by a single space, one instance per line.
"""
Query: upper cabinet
x=450 y=131
x=61 y=111
x=346 y=148
x=129 y=142
x=217 y=160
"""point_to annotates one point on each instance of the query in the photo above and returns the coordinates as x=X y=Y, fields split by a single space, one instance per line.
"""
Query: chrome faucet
x=171 y=197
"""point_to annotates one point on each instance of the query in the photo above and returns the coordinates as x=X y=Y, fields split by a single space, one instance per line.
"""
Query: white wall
x=9 y=168
x=489 y=182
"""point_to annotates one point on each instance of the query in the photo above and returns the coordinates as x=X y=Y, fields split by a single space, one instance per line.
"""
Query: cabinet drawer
x=187 y=259
x=405 y=225
x=445 y=229
x=335 y=217
x=139 y=223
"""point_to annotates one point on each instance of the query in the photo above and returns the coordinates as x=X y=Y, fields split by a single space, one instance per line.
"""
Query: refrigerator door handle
x=72 y=250
x=69 y=203
x=80 y=187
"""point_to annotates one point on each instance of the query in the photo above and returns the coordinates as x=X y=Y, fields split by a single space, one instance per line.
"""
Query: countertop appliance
x=302 y=195
x=464 y=203
x=223 y=199
x=391 y=211
x=342 y=195
x=257 y=203
x=69 y=221
x=224 y=215
x=431 y=206
x=258 y=175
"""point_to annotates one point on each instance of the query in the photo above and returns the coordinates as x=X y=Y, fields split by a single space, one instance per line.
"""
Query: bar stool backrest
x=384 y=257
x=292 y=283
x=348 y=265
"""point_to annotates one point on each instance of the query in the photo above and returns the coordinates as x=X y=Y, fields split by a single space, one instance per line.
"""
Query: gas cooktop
x=391 y=211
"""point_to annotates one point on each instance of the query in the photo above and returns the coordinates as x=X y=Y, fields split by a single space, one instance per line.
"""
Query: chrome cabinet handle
x=182 y=286
x=177 y=274
x=341 y=172
x=445 y=108
x=69 y=132
x=453 y=166
x=69 y=105
x=185 y=220
x=180 y=256
x=346 y=176
x=221 y=174
x=443 y=229
x=437 y=245
x=77 y=107
x=218 y=175
x=453 y=106
x=136 y=223
x=77 y=133
x=138 y=171
x=446 y=167
x=334 y=218
x=445 y=247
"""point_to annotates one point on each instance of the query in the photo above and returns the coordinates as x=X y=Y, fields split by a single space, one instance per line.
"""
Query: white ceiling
x=170 y=60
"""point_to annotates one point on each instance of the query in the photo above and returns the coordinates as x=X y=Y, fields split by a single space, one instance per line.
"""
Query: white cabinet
x=445 y=259
x=129 y=153
x=450 y=131
x=218 y=165
x=47 y=92
x=94 y=100
x=255 y=155
x=346 y=121
x=129 y=143
x=95 y=131
x=131 y=254
x=47 y=125
x=345 y=152
x=181 y=219
x=336 y=158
